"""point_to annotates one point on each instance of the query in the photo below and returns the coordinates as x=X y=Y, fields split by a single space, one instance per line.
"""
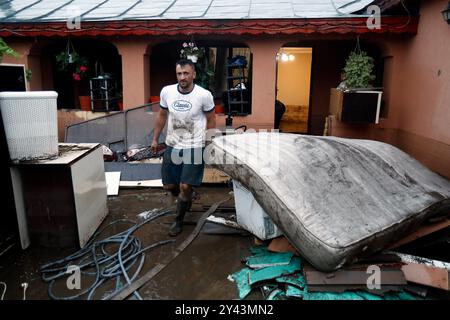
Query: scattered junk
x=125 y=138
x=370 y=196
x=283 y=276
x=334 y=199
x=59 y=190
x=322 y=209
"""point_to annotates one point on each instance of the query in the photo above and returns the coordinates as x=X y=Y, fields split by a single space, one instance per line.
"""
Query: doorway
x=293 y=87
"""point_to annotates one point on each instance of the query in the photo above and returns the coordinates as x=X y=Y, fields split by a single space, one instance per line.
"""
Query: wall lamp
x=446 y=14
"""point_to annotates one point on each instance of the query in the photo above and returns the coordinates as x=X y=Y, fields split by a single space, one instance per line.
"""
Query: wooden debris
x=281 y=244
x=355 y=277
x=432 y=273
x=141 y=184
x=421 y=232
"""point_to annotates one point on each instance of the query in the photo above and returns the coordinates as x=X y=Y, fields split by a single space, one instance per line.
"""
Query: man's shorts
x=183 y=166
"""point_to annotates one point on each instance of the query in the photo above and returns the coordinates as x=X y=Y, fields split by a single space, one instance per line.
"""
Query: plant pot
x=85 y=103
x=192 y=57
x=219 y=108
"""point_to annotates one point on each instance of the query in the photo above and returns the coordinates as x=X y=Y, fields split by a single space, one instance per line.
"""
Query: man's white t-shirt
x=186 y=125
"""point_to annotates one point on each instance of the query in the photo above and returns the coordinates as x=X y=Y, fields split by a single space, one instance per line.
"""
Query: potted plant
x=355 y=100
x=74 y=63
x=120 y=101
x=76 y=66
x=191 y=51
x=205 y=71
x=358 y=70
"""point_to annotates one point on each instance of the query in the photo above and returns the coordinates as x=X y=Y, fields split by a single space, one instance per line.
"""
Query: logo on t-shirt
x=182 y=105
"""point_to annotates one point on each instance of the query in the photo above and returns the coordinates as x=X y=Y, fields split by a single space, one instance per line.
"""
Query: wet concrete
x=199 y=272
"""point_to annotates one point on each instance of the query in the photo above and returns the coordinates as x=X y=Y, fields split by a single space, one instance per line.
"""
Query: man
x=280 y=109
x=190 y=110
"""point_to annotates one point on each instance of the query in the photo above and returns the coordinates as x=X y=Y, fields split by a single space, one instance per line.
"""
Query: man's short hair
x=184 y=62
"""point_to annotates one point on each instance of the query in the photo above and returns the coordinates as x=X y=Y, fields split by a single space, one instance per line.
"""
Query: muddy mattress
x=335 y=199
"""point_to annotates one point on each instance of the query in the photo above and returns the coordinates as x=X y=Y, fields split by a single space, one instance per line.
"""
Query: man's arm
x=160 y=122
x=210 y=119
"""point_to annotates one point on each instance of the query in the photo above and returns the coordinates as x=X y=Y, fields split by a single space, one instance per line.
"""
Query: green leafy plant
x=205 y=71
x=359 y=70
x=72 y=62
x=190 y=49
x=205 y=75
x=5 y=49
x=28 y=75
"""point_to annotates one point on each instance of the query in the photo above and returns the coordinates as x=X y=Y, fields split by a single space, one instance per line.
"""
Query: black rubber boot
x=177 y=226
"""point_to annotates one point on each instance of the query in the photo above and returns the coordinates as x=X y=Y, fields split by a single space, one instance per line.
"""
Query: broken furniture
x=335 y=199
x=61 y=202
x=357 y=106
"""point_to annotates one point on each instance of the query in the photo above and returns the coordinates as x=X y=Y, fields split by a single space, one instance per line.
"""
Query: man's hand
x=154 y=146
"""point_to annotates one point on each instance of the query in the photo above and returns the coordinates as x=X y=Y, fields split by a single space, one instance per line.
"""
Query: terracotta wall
x=135 y=70
x=422 y=86
x=417 y=93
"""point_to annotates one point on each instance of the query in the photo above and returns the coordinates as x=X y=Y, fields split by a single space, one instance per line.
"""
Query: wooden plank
x=428 y=272
x=212 y=175
x=353 y=277
x=421 y=232
x=336 y=99
x=141 y=184
x=426 y=275
x=112 y=183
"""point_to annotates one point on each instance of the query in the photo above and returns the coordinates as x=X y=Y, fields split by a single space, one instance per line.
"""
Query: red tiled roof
x=213 y=27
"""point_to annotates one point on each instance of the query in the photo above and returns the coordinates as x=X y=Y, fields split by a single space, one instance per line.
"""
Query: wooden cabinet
x=357 y=106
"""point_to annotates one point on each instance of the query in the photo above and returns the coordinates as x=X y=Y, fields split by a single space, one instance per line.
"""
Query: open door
x=293 y=87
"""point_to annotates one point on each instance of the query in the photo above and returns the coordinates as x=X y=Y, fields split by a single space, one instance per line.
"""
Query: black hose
x=107 y=264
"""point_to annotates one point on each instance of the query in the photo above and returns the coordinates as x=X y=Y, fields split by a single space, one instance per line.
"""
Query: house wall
x=417 y=93
x=422 y=95
x=135 y=70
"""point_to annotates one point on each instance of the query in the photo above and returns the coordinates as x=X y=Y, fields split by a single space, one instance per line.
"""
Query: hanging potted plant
x=191 y=51
x=71 y=62
x=355 y=100
x=205 y=71
x=358 y=70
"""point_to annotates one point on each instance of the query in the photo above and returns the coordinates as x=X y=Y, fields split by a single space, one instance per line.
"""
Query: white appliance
x=61 y=202
x=251 y=216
